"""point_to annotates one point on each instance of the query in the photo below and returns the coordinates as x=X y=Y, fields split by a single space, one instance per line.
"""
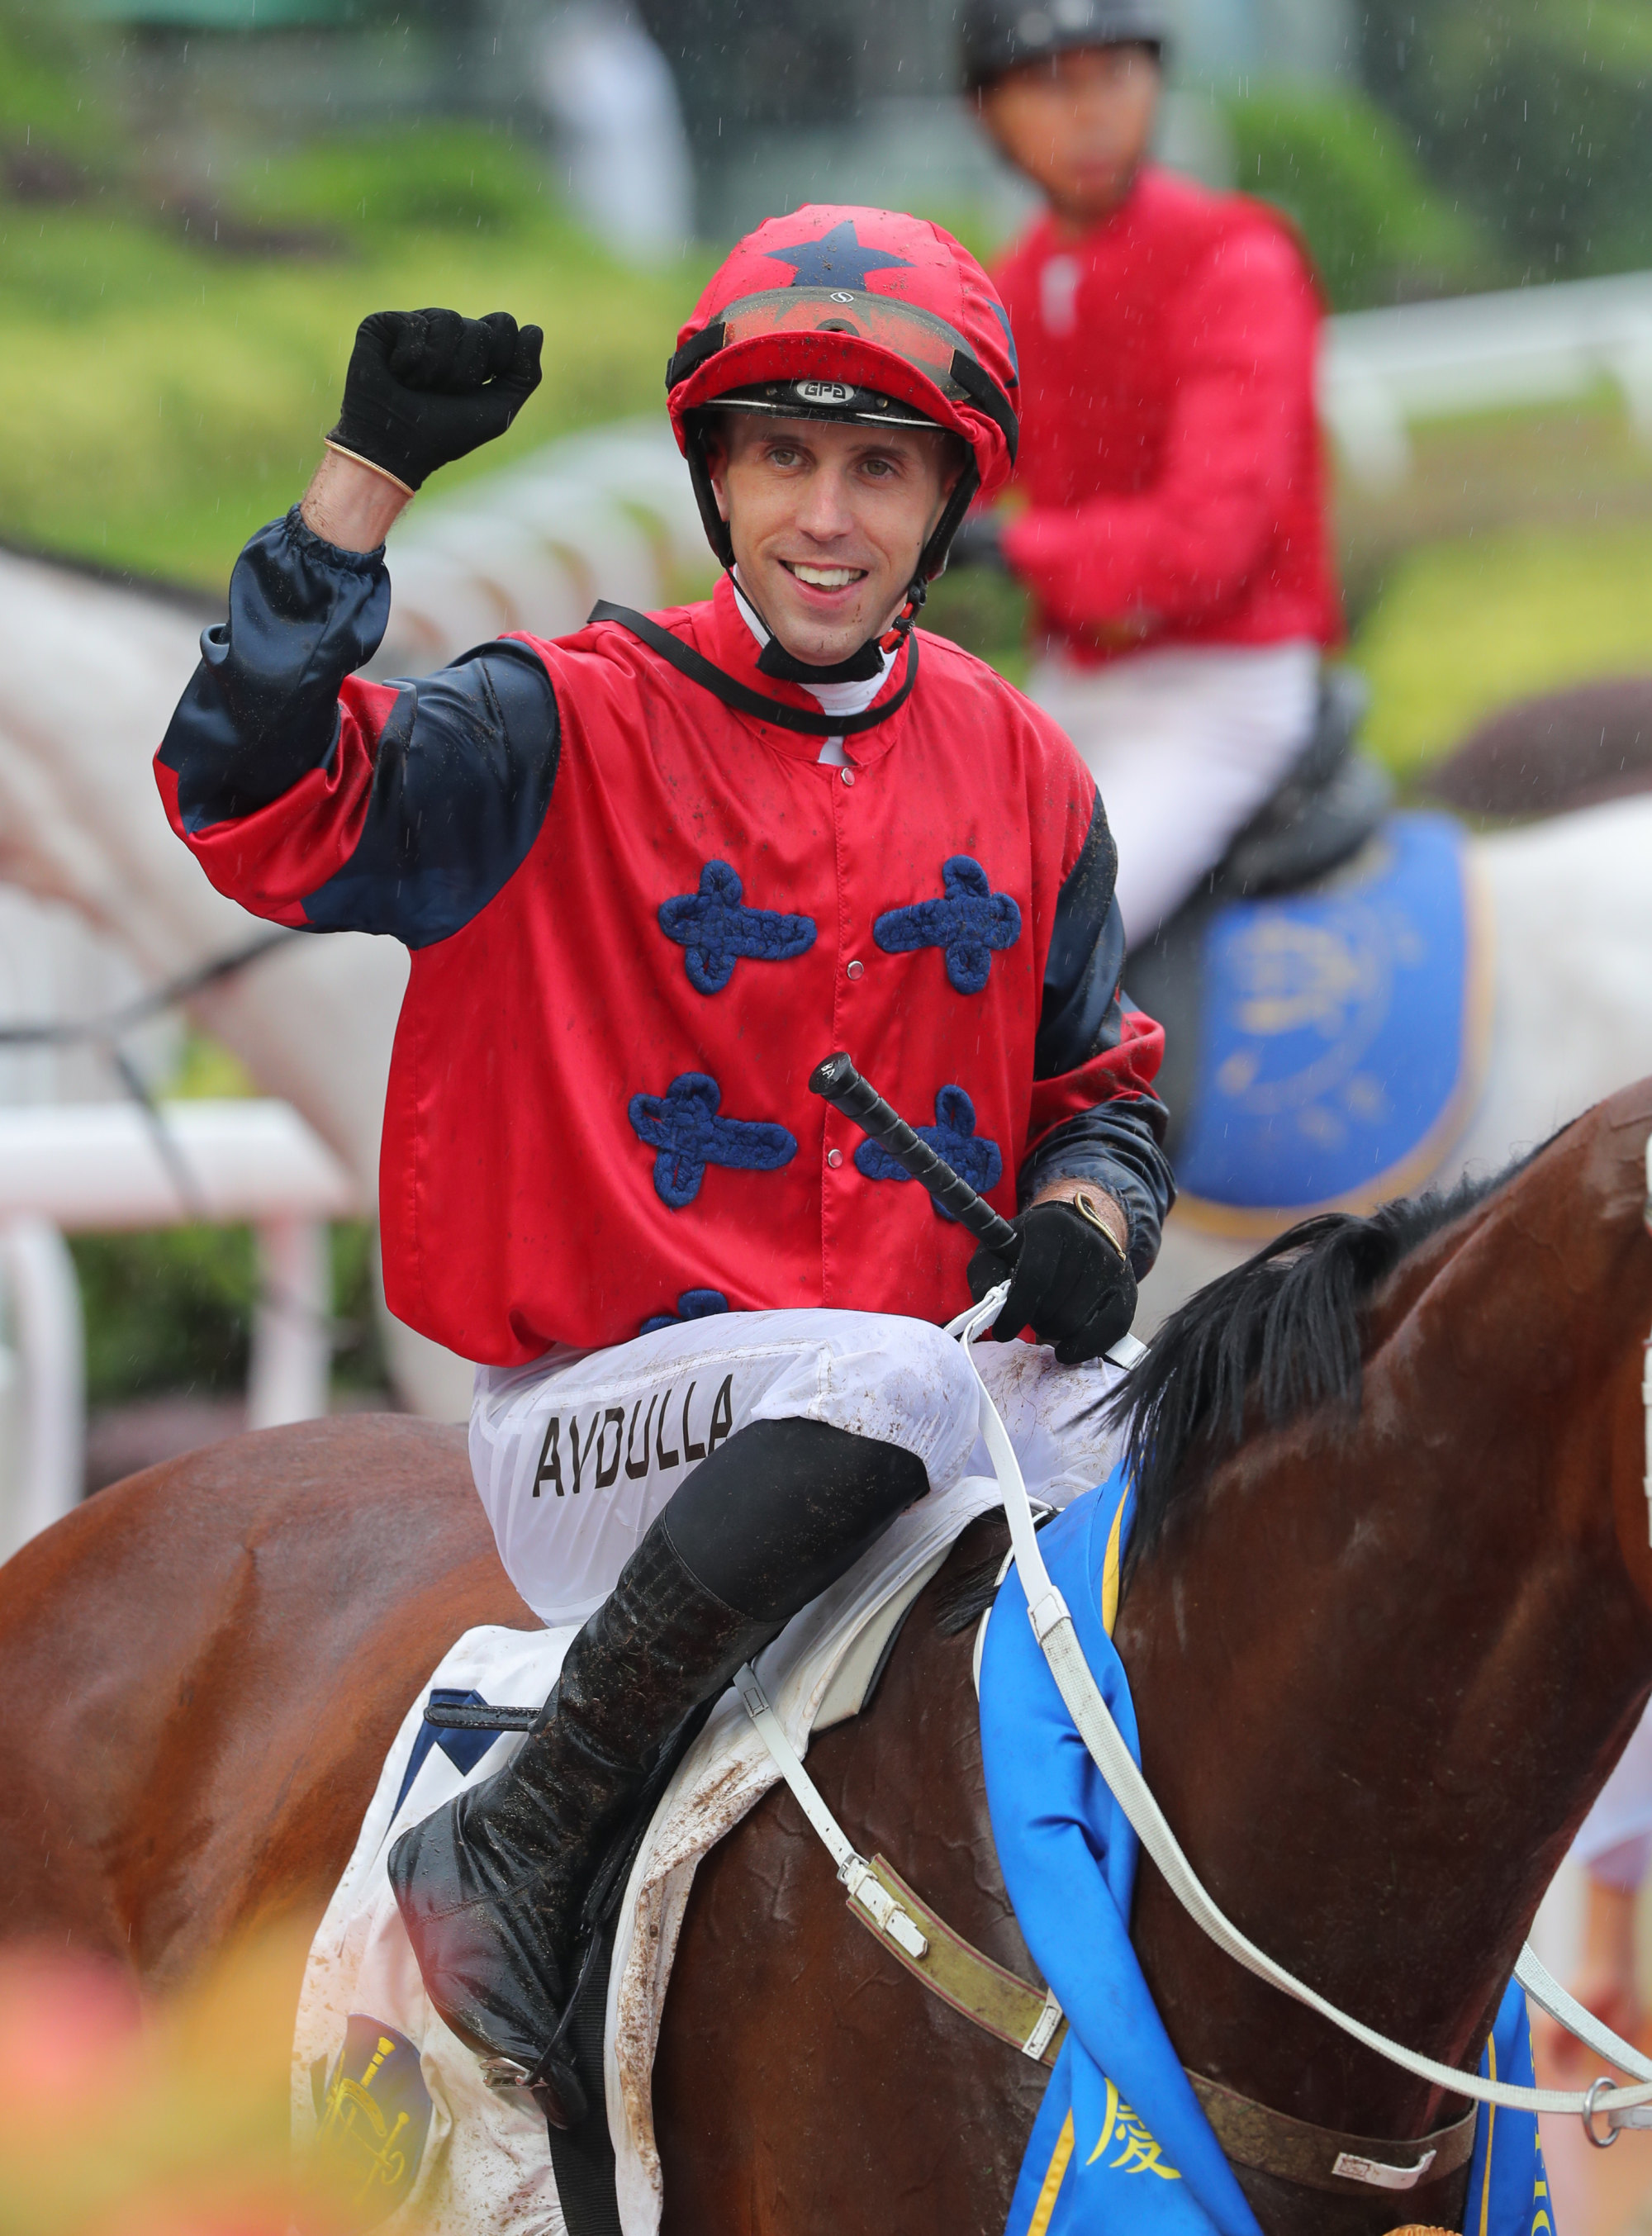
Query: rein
x=1251 y=2133
x=1052 y=1624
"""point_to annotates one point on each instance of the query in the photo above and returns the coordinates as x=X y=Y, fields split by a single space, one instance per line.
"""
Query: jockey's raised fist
x=425 y=387
x=1072 y=1284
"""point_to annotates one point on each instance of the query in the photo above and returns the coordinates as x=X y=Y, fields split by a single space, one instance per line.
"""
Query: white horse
x=1567 y=907
x=89 y=673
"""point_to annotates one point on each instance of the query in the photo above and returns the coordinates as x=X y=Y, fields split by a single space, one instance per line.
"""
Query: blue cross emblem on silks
x=952 y=1136
x=691 y=1305
x=718 y=930
x=683 y=1126
x=971 y=922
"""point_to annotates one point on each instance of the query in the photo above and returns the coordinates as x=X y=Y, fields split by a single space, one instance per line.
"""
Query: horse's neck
x=1383 y=1668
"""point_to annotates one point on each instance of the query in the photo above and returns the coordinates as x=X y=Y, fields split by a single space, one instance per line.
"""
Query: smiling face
x=1079 y=126
x=827 y=520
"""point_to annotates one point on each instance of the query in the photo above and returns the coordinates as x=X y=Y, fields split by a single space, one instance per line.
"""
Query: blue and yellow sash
x=1121 y=2146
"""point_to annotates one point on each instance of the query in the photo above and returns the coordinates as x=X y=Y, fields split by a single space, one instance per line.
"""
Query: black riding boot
x=490 y=1886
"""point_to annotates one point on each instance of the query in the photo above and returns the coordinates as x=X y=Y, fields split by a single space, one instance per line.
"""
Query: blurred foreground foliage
x=122 y=2119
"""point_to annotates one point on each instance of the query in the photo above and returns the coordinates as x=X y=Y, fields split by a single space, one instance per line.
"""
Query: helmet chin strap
x=863 y=664
x=901 y=627
x=931 y=559
x=860 y=667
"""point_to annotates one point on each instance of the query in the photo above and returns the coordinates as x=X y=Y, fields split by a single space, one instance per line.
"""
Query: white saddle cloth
x=485 y=2161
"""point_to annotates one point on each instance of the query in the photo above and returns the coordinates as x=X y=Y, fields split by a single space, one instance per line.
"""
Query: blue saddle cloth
x=1121 y=2146
x=1341 y=1033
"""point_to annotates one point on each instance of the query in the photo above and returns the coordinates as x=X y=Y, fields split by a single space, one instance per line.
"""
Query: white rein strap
x=857 y=1874
x=1052 y=1624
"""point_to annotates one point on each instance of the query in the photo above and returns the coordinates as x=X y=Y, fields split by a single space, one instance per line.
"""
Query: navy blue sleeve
x=461 y=781
x=1117 y=1147
x=463 y=762
x=1118 y=1143
x=262 y=708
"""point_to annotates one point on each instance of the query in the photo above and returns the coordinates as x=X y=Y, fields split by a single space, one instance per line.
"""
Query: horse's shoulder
x=1553 y=755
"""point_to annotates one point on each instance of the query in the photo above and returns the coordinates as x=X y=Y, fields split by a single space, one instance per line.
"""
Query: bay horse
x=1387 y=1621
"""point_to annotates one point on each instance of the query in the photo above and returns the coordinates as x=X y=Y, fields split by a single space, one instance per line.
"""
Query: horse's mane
x=1278 y=1336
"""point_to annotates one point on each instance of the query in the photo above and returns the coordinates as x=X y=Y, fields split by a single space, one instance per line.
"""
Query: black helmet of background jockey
x=852 y=315
x=1001 y=35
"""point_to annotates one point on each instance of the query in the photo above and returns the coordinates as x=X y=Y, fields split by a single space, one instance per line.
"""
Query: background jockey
x=650 y=874
x=1174 y=535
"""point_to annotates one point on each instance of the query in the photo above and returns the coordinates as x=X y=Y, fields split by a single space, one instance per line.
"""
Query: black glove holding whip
x=1071 y=1284
x=1069 y=1280
x=426 y=387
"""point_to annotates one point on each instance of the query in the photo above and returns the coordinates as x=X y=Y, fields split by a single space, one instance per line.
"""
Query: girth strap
x=999 y=2002
x=1252 y=2135
x=700 y=670
x=951 y=1967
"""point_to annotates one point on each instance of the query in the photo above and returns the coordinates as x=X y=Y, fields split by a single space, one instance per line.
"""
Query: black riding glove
x=1072 y=1284
x=425 y=387
x=979 y=542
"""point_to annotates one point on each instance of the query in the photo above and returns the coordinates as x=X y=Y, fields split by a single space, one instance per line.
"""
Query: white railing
x=97 y=1167
x=1380 y=370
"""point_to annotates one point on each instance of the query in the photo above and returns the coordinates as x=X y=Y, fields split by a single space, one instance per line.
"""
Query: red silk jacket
x=638 y=920
x=1170 y=450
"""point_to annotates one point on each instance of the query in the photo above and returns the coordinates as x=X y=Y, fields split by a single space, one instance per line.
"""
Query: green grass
x=1465 y=627
x=164 y=398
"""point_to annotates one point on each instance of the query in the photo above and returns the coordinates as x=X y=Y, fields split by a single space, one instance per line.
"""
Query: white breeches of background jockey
x=576 y=1454
x=1185 y=745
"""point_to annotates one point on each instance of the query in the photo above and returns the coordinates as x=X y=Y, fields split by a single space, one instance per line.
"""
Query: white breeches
x=576 y=1454
x=1184 y=746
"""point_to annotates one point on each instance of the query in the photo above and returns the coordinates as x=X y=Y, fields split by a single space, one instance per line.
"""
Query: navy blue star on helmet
x=683 y=1126
x=718 y=930
x=952 y=1136
x=836 y=259
x=969 y=922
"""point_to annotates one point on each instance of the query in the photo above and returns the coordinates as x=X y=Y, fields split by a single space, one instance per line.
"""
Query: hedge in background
x=172 y=1311
x=1344 y=174
x=1536 y=113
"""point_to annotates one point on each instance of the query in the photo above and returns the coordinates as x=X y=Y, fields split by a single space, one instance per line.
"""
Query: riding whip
x=837 y=1082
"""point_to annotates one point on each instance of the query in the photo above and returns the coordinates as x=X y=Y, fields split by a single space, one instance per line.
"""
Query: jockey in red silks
x=650 y=874
x=1174 y=534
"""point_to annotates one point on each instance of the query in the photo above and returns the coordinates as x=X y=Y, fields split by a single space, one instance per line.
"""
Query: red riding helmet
x=861 y=314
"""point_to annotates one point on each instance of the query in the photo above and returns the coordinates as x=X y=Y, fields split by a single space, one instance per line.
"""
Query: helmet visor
x=927 y=344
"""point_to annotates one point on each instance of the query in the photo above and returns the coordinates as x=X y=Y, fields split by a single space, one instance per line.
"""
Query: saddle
x=1324 y=997
x=1333 y=799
